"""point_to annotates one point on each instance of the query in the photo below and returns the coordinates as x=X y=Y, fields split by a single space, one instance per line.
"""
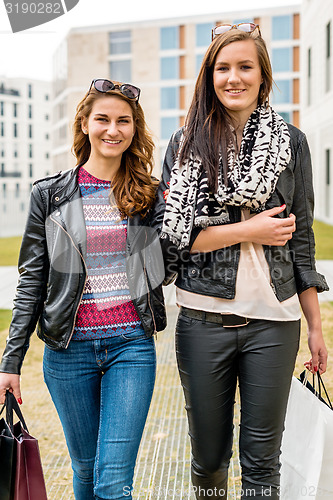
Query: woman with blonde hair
x=236 y=231
x=89 y=280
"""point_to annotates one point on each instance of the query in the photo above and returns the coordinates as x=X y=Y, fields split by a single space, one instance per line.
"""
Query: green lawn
x=5 y=317
x=9 y=250
x=324 y=240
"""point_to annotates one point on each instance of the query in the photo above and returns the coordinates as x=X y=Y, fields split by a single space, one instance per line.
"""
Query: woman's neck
x=104 y=170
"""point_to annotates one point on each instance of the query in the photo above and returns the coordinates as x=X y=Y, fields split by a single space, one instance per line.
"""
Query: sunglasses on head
x=128 y=90
x=246 y=27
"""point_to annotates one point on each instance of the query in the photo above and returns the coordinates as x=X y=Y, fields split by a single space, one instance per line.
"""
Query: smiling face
x=237 y=78
x=110 y=128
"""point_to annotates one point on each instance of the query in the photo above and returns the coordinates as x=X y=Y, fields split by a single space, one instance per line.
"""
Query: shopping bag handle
x=320 y=384
x=12 y=406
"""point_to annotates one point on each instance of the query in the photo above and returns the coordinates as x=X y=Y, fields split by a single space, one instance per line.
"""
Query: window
x=169 y=68
x=309 y=70
x=282 y=28
x=169 y=38
x=30 y=134
x=46 y=117
x=29 y=111
x=30 y=91
x=327 y=180
x=120 y=42
x=15 y=109
x=47 y=137
x=2 y=172
x=328 y=57
x=121 y=71
x=17 y=190
x=15 y=151
x=198 y=62
x=283 y=93
x=4 y=190
x=170 y=98
x=203 y=34
x=168 y=125
x=30 y=170
x=47 y=156
x=2 y=149
x=46 y=97
x=30 y=151
x=2 y=129
x=2 y=108
x=282 y=59
x=15 y=131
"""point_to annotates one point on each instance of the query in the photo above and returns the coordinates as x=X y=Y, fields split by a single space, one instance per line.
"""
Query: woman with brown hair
x=236 y=230
x=90 y=283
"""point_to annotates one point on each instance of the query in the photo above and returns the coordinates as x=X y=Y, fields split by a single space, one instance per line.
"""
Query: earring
x=85 y=131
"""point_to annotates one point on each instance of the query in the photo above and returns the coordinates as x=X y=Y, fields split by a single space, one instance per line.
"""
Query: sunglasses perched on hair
x=246 y=27
x=128 y=90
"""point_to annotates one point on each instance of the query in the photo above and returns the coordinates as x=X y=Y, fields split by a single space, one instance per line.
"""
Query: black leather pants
x=210 y=359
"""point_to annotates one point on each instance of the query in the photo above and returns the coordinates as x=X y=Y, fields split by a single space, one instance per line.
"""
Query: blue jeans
x=102 y=391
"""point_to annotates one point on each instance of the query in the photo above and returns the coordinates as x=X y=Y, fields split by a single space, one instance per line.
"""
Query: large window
x=170 y=98
x=283 y=93
x=309 y=74
x=120 y=42
x=30 y=91
x=203 y=34
x=285 y=115
x=2 y=108
x=121 y=71
x=2 y=129
x=169 y=68
x=282 y=59
x=328 y=57
x=15 y=109
x=168 y=125
x=327 y=180
x=282 y=27
x=169 y=38
x=29 y=111
x=15 y=130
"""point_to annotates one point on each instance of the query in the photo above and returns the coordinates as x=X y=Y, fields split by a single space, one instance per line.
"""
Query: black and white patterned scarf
x=252 y=177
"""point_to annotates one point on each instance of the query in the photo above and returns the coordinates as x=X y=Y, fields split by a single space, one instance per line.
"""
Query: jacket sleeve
x=30 y=293
x=172 y=256
x=302 y=244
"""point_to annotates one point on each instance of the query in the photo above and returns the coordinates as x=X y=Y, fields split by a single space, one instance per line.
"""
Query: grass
x=324 y=240
x=9 y=250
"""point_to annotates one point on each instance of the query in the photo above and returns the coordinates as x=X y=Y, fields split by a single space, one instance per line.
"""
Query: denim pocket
x=136 y=334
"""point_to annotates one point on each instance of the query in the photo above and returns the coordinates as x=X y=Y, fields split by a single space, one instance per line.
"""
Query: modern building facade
x=317 y=98
x=25 y=146
x=163 y=58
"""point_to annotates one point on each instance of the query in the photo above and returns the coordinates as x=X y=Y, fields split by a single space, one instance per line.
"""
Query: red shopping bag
x=29 y=478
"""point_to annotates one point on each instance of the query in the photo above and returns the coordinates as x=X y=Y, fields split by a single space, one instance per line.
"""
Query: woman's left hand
x=318 y=350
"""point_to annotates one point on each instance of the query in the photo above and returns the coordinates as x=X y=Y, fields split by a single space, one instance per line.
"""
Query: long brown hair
x=207 y=130
x=133 y=188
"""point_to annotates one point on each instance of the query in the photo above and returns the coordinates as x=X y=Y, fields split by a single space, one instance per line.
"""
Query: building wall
x=164 y=58
x=317 y=98
x=25 y=146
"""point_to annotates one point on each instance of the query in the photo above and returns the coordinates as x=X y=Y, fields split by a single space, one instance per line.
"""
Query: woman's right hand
x=10 y=382
x=265 y=229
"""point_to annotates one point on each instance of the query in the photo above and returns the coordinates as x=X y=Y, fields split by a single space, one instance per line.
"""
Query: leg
x=265 y=370
x=207 y=362
x=126 y=391
x=73 y=380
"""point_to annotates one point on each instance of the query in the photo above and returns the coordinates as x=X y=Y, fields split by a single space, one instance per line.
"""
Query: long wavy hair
x=133 y=188
x=207 y=130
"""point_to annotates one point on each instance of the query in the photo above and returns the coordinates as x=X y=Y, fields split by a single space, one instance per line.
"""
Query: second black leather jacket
x=53 y=271
x=292 y=267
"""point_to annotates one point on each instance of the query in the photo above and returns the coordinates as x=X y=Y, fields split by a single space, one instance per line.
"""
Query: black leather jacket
x=53 y=271
x=292 y=267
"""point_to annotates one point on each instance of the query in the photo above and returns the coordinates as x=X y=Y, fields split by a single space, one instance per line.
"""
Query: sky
x=29 y=53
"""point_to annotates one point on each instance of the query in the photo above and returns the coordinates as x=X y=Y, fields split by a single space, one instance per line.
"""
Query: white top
x=254 y=296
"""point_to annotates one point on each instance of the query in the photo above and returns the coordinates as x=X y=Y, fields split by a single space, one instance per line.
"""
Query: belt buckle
x=247 y=321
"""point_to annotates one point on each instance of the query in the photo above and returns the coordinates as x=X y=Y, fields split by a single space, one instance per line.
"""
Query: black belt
x=226 y=320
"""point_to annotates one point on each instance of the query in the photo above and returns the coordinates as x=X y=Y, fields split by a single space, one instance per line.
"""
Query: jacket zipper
x=85 y=280
x=145 y=273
